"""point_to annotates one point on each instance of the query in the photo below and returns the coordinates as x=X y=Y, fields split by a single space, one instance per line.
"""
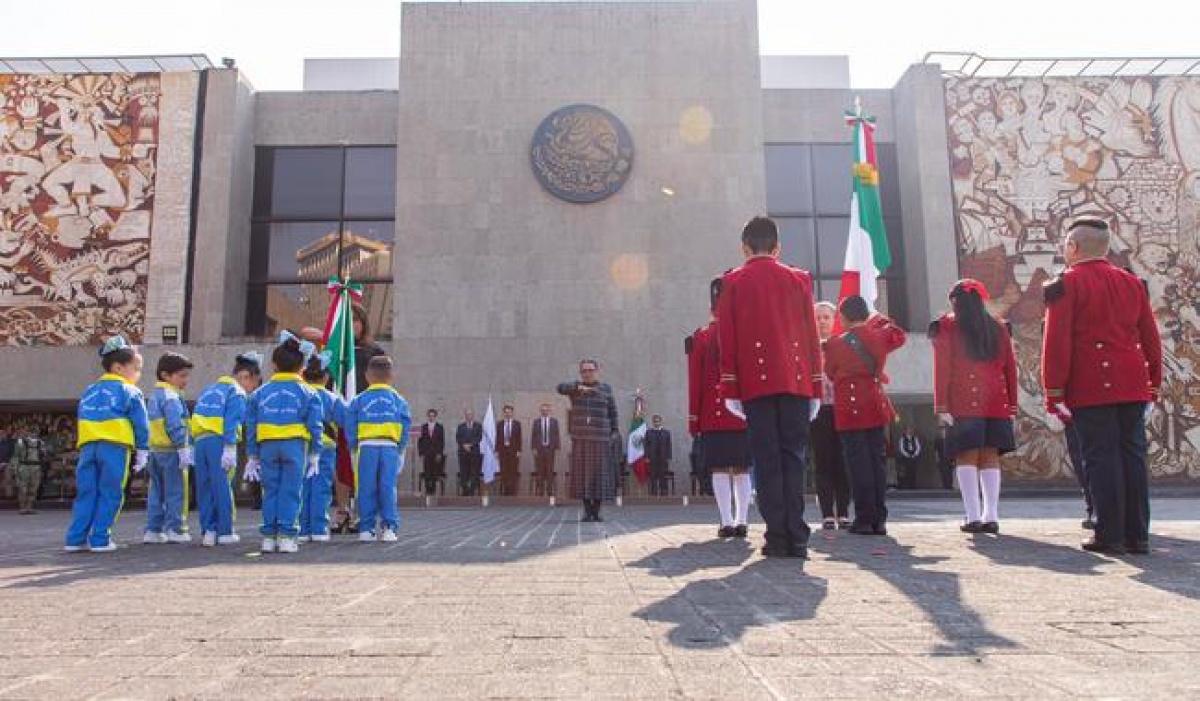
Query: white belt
x=379 y=443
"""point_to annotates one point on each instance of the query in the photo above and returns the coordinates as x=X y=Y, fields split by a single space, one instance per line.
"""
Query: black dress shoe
x=726 y=532
x=843 y=523
x=991 y=527
x=971 y=527
x=1095 y=546
x=880 y=529
x=862 y=529
x=829 y=524
x=741 y=531
x=798 y=551
x=1088 y=524
x=1138 y=547
x=776 y=551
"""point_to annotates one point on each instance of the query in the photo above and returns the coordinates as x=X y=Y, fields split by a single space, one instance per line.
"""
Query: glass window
x=889 y=179
x=796 y=242
x=370 y=189
x=832 y=235
x=306 y=182
x=367 y=249
x=302 y=250
x=789 y=179
x=832 y=177
x=274 y=307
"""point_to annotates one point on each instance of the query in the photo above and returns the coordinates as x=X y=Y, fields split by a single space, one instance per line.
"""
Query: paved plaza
x=527 y=602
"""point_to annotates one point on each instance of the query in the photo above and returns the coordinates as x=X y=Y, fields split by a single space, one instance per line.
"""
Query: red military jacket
x=706 y=408
x=964 y=386
x=767 y=332
x=1101 y=343
x=859 y=400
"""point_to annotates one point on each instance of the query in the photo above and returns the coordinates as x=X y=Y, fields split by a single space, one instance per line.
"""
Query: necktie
x=545 y=431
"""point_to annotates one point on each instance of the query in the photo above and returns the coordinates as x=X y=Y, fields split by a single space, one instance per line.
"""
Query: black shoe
x=726 y=532
x=798 y=551
x=843 y=523
x=1095 y=546
x=862 y=529
x=971 y=527
x=587 y=518
x=741 y=531
x=596 y=518
x=1088 y=524
x=829 y=524
x=1137 y=547
x=880 y=529
x=776 y=551
x=991 y=527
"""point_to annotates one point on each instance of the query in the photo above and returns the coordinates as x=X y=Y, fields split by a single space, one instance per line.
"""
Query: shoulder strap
x=856 y=345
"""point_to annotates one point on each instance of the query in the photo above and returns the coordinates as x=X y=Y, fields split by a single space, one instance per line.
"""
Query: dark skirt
x=724 y=449
x=592 y=470
x=973 y=433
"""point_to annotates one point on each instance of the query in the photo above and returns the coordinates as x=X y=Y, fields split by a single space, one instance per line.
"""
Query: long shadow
x=716 y=613
x=1173 y=566
x=1015 y=551
x=938 y=594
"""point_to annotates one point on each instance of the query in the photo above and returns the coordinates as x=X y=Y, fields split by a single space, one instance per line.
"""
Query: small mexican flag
x=635 y=453
x=339 y=335
x=867 y=254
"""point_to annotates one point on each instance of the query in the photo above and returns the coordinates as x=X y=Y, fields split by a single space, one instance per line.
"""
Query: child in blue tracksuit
x=170 y=453
x=318 y=489
x=377 y=423
x=217 y=423
x=284 y=420
x=112 y=426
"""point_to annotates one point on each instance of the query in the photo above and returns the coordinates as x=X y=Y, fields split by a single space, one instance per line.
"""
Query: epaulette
x=935 y=327
x=688 y=342
x=1054 y=290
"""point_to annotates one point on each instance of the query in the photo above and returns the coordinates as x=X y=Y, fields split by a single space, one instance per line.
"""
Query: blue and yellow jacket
x=284 y=409
x=220 y=411
x=334 y=413
x=379 y=413
x=168 y=419
x=113 y=410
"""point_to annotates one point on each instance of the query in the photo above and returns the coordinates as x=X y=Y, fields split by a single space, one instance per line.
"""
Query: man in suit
x=658 y=455
x=545 y=442
x=770 y=365
x=508 y=449
x=470 y=461
x=431 y=448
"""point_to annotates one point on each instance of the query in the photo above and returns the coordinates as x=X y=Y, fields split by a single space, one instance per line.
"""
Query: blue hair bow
x=113 y=345
x=307 y=348
x=326 y=358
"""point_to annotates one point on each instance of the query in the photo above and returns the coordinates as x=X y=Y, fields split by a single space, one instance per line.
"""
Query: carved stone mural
x=1027 y=154
x=78 y=166
x=582 y=154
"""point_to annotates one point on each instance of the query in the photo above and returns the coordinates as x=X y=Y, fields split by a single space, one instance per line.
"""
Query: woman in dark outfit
x=592 y=425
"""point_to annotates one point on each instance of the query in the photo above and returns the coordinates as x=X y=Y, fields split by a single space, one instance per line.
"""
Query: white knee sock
x=989 y=479
x=741 y=498
x=968 y=486
x=722 y=490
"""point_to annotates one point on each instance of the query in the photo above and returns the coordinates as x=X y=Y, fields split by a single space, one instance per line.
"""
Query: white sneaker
x=288 y=545
x=152 y=538
x=74 y=548
x=110 y=547
x=366 y=537
x=231 y=539
x=209 y=540
x=321 y=537
x=268 y=545
x=176 y=537
x=303 y=539
x=389 y=536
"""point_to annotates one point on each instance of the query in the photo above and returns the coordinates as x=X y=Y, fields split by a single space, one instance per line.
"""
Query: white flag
x=491 y=463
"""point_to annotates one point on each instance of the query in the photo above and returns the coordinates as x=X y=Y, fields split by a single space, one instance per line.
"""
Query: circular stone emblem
x=582 y=154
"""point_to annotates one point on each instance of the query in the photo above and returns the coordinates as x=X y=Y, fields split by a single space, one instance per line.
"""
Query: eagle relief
x=582 y=154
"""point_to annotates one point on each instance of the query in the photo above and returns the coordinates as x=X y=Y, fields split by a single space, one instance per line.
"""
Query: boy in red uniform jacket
x=1102 y=367
x=854 y=362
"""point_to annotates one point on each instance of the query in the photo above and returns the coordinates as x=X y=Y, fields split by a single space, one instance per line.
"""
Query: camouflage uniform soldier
x=26 y=466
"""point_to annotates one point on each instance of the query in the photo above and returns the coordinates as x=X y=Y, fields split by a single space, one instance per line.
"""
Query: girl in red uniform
x=975 y=398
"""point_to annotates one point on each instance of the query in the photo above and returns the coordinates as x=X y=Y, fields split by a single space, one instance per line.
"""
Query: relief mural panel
x=1028 y=154
x=77 y=184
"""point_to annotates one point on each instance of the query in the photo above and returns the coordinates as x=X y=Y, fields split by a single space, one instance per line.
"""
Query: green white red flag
x=635 y=450
x=339 y=335
x=867 y=253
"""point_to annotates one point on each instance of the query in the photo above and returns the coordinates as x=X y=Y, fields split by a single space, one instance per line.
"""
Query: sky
x=271 y=38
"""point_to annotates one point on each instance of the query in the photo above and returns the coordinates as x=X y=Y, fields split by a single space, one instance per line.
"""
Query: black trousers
x=778 y=432
x=470 y=468
x=866 y=459
x=833 y=484
x=908 y=473
x=1113 y=439
x=658 y=478
x=434 y=470
x=543 y=466
x=1075 y=451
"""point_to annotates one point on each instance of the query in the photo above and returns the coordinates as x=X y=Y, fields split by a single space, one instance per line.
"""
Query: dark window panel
x=307 y=183
x=895 y=234
x=367 y=249
x=889 y=179
x=828 y=290
x=302 y=250
x=796 y=242
x=371 y=182
x=832 y=235
x=832 y=177
x=789 y=179
x=264 y=160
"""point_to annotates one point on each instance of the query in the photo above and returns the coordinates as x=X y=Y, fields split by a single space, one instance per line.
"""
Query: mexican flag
x=339 y=335
x=635 y=451
x=867 y=254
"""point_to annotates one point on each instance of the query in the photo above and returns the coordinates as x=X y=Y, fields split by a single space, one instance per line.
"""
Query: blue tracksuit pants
x=283 y=465
x=167 y=497
x=316 y=496
x=100 y=478
x=214 y=487
x=376 y=474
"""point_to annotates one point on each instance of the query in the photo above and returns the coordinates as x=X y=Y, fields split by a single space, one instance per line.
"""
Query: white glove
x=314 y=466
x=945 y=419
x=1149 y=411
x=814 y=409
x=229 y=457
x=253 y=470
x=186 y=457
x=735 y=407
x=140 y=458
